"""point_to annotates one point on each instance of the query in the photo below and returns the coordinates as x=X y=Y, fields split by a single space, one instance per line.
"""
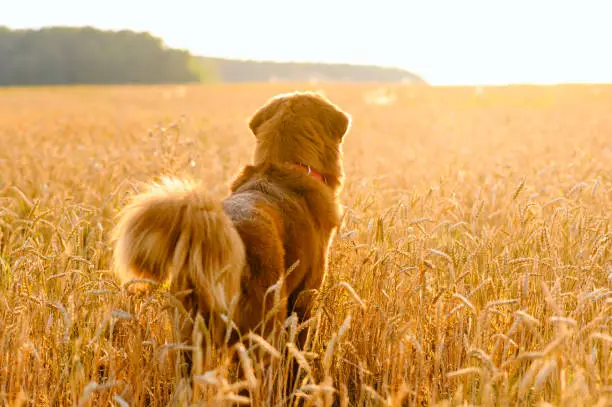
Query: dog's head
x=301 y=128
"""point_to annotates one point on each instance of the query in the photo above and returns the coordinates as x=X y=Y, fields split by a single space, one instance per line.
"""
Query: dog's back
x=286 y=220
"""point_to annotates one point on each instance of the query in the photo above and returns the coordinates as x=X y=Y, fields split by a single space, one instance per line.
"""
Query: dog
x=273 y=231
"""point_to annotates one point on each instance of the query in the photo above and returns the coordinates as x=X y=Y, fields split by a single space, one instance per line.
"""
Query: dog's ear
x=338 y=122
x=265 y=113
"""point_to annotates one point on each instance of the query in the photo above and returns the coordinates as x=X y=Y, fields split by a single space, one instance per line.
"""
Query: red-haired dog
x=283 y=210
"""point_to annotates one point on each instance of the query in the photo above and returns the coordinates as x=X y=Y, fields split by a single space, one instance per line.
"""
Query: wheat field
x=474 y=265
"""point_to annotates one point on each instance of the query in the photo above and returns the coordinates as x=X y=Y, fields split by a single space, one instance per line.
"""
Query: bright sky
x=447 y=42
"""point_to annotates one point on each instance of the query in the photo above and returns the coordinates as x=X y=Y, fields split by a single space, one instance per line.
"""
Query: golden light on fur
x=302 y=128
x=230 y=253
x=176 y=233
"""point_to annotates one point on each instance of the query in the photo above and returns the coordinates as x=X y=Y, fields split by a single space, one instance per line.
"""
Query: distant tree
x=66 y=55
x=231 y=70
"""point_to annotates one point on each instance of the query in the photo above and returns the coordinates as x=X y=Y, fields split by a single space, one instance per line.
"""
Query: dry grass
x=474 y=265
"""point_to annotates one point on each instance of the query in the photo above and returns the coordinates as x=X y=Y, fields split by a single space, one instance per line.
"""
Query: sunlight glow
x=447 y=42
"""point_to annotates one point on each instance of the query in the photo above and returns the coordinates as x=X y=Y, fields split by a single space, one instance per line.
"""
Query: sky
x=453 y=42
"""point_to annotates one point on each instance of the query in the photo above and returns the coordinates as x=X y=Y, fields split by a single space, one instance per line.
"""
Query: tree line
x=67 y=55
x=86 y=55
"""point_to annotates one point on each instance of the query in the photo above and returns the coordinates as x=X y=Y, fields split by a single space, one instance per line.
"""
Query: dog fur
x=273 y=230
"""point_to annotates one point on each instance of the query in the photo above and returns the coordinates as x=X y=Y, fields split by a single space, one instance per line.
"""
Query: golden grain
x=473 y=266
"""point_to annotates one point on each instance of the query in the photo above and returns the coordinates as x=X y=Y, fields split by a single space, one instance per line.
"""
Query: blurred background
x=433 y=42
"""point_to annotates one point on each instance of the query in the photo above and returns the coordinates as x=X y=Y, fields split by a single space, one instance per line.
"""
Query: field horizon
x=473 y=267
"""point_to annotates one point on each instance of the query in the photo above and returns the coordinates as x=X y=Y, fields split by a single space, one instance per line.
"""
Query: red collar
x=312 y=172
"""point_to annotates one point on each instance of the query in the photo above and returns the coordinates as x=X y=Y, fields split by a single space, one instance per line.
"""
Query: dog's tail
x=176 y=233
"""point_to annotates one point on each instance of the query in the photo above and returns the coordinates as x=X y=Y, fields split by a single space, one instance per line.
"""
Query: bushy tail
x=177 y=233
